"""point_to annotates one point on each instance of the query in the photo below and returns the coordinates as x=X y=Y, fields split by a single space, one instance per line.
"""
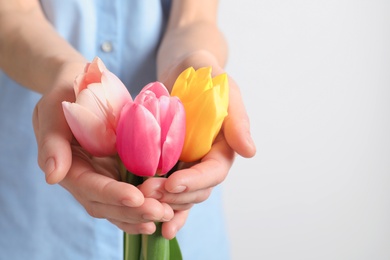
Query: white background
x=315 y=77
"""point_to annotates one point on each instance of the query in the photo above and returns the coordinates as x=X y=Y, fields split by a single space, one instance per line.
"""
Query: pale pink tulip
x=100 y=96
x=150 y=132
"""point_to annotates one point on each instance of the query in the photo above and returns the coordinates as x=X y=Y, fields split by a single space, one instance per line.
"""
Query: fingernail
x=50 y=166
x=167 y=214
x=178 y=189
x=250 y=141
x=145 y=231
x=130 y=203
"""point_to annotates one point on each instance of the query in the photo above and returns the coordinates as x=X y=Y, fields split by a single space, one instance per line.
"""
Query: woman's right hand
x=94 y=182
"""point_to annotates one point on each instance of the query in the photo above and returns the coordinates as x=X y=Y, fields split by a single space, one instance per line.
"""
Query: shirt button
x=106 y=47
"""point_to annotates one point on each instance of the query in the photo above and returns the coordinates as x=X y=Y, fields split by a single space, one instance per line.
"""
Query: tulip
x=93 y=118
x=150 y=132
x=205 y=101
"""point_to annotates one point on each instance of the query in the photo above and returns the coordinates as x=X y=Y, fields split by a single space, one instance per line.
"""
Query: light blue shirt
x=45 y=222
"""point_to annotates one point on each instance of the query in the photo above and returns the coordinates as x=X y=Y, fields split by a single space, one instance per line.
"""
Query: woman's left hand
x=193 y=183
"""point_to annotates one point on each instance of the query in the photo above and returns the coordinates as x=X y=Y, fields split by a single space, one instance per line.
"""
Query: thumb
x=236 y=126
x=53 y=137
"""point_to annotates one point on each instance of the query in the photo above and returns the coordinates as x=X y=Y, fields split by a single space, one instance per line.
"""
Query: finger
x=181 y=207
x=142 y=228
x=236 y=126
x=155 y=188
x=184 y=198
x=211 y=171
x=151 y=210
x=53 y=137
x=170 y=229
x=86 y=185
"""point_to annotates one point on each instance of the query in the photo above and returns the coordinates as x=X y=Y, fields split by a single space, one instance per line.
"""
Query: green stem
x=147 y=247
x=155 y=246
x=131 y=246
x=131 y=243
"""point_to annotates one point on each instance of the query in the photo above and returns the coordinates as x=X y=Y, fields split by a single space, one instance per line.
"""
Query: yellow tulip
x=205 y=101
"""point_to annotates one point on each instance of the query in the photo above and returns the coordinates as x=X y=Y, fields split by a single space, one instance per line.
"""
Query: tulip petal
x=202 y=78
x=94 y=71
x=93 y=99
x=205 y=101
x=167 y=111
x=79 y=84
x=172 y=133
x=181 y=85
x=191 y=83
x=138 y=135
x=148 y=99
x=116 y=91
x=89 y=130
x=223 y=83
x=92 y=74
x=205 y=116
x=157 y=88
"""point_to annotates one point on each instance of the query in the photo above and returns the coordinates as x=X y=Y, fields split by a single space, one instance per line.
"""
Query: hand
x=186 y=187
x=236 y=126
x=92 y=181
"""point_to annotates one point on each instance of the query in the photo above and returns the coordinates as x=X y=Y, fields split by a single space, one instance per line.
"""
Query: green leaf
x=174 y=250
x=131 y=246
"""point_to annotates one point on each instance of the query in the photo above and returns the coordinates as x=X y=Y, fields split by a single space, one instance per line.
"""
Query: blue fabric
x=40 y=221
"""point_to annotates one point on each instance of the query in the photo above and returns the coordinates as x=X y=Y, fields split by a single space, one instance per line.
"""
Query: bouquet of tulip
x=149 y=134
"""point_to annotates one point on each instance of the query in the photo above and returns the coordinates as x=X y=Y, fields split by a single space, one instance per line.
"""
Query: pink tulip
x=100 y=96
x=150 y=132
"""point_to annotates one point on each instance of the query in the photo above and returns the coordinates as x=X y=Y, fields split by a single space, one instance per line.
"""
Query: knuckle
x=204 y=195
x=92 y=210
x=175 y=200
